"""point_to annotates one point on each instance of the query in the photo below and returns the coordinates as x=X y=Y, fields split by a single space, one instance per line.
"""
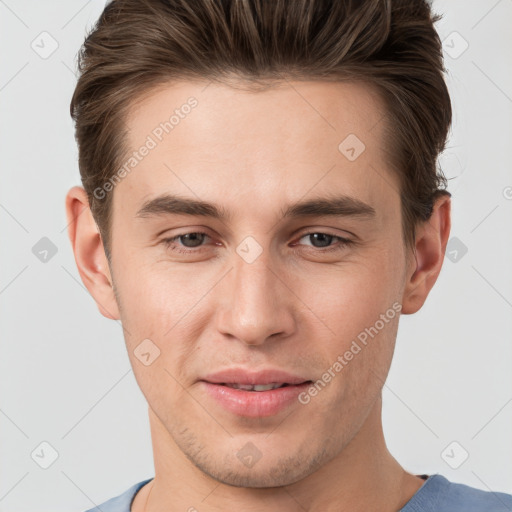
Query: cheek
x=352 y=296
x=155 y=296
x=359 y=303
x=162 y=316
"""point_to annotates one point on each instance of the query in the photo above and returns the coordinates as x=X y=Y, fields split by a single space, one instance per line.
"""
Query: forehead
x=305 y=109
x=216 y=141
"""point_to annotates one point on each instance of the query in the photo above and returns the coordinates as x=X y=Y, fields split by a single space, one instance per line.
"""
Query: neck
x=363 y=476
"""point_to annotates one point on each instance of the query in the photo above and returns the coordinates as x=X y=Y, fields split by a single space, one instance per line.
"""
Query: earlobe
x=89 y=253
x=430 y=246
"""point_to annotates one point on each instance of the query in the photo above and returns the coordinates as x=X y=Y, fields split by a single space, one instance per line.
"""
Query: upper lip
x=251 y=377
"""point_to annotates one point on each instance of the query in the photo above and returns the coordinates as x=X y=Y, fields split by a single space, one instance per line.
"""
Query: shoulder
x=121 y=503
x=438 y=494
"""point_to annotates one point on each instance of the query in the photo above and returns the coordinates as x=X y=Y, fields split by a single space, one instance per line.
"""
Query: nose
x=258 y=302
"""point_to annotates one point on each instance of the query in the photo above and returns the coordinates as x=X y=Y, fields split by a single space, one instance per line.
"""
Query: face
x=264 y=284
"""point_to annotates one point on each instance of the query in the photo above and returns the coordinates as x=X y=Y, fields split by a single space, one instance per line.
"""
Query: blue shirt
x=437 y=494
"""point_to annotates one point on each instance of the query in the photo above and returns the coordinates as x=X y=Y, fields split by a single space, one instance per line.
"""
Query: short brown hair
x=392 y=44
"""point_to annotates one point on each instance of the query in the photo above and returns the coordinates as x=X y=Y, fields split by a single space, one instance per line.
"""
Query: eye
x=321 y=240
x=189 y=241
x=192 y=242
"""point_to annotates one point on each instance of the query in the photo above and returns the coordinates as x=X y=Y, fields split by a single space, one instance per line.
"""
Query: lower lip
x=255 y=404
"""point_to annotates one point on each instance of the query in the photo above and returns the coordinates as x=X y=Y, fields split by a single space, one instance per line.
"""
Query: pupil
x=192 y=237
x=327 y=239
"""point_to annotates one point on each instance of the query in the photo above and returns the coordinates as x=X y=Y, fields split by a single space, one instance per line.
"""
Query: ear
x=89 y=253
x=426 y=262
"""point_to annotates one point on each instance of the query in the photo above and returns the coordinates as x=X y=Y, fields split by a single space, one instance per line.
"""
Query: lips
x=244 y=377
x=254 y=404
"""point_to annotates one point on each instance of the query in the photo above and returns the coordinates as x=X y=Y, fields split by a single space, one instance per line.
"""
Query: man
x=260 y=204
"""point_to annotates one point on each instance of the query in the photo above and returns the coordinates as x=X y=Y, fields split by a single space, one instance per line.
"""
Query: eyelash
x=343 y=242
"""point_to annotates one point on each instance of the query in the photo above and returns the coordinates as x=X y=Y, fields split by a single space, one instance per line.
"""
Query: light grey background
x=65 y=375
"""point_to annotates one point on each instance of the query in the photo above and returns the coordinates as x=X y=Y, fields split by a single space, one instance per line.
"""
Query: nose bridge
x=258 y=305
x=254 y=282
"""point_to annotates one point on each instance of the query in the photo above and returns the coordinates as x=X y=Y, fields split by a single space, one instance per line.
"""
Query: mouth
x=259 y=387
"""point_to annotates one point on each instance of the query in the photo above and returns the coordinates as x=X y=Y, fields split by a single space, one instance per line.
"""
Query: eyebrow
x=168 y=204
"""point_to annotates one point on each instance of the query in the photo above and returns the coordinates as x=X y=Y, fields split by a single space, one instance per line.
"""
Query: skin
x=294 y=307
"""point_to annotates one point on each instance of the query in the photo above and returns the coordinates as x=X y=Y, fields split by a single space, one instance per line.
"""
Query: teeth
x=258 y=387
